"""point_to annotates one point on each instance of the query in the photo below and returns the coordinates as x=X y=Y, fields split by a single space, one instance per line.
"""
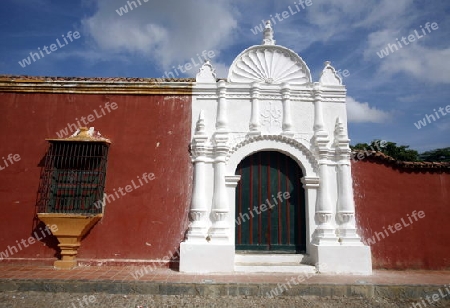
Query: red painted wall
x=149 y=133
x=384 y=196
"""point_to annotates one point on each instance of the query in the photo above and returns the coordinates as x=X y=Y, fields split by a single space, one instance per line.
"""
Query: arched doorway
x=270 y=205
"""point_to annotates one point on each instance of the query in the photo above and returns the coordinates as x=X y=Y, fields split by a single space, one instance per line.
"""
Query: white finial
x=200 y=127
x=339 y=131
x=206 y=74
x=329 y=76
x=268 y=34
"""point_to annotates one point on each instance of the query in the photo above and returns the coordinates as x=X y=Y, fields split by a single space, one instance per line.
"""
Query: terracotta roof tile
x=98 y=79
x=388 y=160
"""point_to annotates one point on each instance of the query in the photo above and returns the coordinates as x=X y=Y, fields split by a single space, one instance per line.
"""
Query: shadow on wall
x=39 y=200
x=40 y=233
x=39 y=228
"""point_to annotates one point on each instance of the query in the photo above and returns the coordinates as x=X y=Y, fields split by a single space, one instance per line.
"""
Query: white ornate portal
x=269 y=103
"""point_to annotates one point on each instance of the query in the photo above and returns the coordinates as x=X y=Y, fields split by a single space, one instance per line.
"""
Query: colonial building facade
x=250 y=173
x=270 y=129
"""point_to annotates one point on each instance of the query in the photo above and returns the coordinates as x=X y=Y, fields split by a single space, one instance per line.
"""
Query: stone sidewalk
x=71 y=300
x=164 y=287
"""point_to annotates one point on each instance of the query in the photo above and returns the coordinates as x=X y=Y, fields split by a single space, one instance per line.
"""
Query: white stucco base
x=355 y=260
x=206 y=258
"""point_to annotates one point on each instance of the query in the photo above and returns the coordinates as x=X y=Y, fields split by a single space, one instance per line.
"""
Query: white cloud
x=443 y=125
x=388 y=13
x=171 y=32
x=423 y=63
x=415 y=59
x=411 y=98
x=168 y=32
x=361 y=112
x=327 y=20
x=89 y=56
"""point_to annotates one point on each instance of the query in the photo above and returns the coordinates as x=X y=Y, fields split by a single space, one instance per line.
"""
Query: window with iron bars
x=73 y=178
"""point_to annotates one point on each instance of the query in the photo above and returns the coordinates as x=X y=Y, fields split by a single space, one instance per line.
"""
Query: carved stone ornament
x=279 y=138
x=196 y=215
x=324 y=218
x=269 y=64
x=268 y=34
x=206 y=74
x=271 y=117
x=329 y=77
x=346 y=217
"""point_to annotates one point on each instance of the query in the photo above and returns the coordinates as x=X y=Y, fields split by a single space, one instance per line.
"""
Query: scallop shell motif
x=269 y=65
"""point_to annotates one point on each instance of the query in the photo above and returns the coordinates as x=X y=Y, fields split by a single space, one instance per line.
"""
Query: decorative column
x=286 y=99
x=311 y=186
x=325 y=233
x=231 y=182
x=255 y=125
x=345 y=203
x=219 y=231
x=220 y=207
x=222 y=118
x=198 y=228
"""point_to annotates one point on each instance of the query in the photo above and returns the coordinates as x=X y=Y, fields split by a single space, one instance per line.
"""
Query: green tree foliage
x=438 y=155
x=366 y=147
x=401 y=152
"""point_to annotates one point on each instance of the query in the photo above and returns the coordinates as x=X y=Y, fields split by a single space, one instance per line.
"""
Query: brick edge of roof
x=377 y=156
x=21 y=78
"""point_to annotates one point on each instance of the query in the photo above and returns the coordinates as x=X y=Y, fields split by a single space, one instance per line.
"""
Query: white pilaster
x=351 y=256
x=325 y=233
x=198 y=227
x=345 y=203
x=255 y=125
x=231 y=181
x=222 y=118
x=286 y=100
x=310 y=185
x=220 y=230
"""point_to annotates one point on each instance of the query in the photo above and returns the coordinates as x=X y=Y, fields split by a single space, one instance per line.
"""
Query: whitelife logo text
x=390 y=48
x=73 y=127
x=11 y=158
x=38 y=55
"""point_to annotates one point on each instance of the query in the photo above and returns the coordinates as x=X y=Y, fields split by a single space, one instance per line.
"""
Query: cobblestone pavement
x=77 y=300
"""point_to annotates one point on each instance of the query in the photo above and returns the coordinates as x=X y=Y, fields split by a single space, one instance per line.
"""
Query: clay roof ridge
x=103 y=79
x=378 y=155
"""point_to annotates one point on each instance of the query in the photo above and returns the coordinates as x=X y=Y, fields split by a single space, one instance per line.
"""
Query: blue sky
x=386 y=96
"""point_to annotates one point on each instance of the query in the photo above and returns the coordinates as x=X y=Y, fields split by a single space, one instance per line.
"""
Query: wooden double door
x=270 y=204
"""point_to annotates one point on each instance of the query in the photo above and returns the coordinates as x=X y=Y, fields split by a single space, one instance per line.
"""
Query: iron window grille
x=73 y=177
